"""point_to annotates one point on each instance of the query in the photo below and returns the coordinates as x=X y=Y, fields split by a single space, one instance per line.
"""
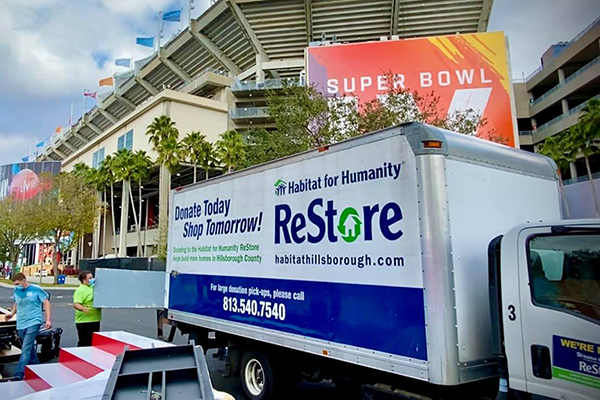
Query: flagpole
x=159 y=30
x=71 y=118
x=190 y=8
x=83 y=106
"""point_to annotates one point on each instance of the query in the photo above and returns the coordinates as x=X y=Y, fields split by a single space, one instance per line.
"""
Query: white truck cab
x=545 y=281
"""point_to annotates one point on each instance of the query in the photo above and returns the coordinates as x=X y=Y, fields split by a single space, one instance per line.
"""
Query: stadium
x=212 y=76
x=235 y=46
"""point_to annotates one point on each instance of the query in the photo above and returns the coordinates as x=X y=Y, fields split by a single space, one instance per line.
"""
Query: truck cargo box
x=372 y=251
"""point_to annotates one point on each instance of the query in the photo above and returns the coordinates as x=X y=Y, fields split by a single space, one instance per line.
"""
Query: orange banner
x=466 y=71
x=106 y=81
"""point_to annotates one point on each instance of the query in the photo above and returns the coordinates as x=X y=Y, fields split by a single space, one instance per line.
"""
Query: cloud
x=135 y=6
x=57 y=47
x=532 y=26
x=54 y=49
x=14 y=147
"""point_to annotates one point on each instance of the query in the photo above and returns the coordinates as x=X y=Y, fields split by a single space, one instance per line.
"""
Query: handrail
x=582 y=178
x=563 y=116
x=576 y=38
x=249 y=112
x=569 y=79
x=267 y=84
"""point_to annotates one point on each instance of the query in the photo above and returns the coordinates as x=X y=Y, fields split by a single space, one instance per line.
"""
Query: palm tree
x=142 y=165
x=106 y=173
x=82 y=171
x=124 y=171
x=560 y=149
x=231 y=149
x=163 y=135
x=191 y=146
x=207 y=159
x=586 y=139
x=101 y=180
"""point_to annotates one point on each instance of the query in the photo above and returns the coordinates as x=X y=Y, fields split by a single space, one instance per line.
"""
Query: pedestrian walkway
x=49 y=280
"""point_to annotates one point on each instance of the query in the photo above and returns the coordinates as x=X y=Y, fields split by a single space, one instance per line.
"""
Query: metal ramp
x=169 y=373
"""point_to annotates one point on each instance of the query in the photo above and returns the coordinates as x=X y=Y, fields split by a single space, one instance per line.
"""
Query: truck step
x=86 y=361
x=115 y=342
x=14 y=390
x=47 y=376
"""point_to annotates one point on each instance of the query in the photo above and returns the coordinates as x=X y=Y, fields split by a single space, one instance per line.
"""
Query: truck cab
x=545 y=296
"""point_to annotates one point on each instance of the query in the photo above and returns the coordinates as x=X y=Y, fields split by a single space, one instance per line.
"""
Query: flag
x=25 y=159
x=89 y=93
x=123 y=62
x=40 y=144
x=57 y=130
x=106 y=81
x=145 y=41
x=173 y=16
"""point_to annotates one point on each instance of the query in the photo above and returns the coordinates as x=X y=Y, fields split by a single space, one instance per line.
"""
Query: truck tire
x=257 y=376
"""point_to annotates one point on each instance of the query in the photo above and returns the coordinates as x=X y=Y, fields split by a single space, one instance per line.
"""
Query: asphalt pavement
x=143 y=322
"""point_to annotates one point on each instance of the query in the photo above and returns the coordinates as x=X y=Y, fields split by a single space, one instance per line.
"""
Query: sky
x=51 y=50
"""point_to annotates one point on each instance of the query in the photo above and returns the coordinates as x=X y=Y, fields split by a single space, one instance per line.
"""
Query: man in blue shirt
x=28 y=306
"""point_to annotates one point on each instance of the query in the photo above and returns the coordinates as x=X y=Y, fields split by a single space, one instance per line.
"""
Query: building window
x=97 y=158
x=125 y=141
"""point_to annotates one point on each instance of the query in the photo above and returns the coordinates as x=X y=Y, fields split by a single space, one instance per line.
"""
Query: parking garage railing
x=569 y=79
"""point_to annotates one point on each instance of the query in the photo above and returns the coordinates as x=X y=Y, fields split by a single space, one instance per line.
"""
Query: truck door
x=559 y=289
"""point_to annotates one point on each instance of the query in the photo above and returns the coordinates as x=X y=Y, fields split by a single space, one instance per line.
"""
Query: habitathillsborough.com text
x=362 y=261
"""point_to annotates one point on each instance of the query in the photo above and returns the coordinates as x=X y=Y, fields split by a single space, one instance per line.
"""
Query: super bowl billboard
x=22 y=181
x=467 y=71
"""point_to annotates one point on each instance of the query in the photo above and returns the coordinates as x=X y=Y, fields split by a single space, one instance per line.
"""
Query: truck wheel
x=256 y=374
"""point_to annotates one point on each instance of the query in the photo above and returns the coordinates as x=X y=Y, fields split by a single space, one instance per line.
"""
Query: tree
x=198 y=151
x=96 y=179
x=231 y=150
x=560 y=149
x=20 y=224
x=142 y=166
x=106 y=175
x=399 y=105
x=265 y=145
x=69 y=212
x=206 y=157
x=164 y=136
x=307 y=119
x=123 y=168
x=586 y=138
x=101 y=180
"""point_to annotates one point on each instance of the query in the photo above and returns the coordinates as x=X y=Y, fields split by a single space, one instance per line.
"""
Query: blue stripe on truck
x=383 y=318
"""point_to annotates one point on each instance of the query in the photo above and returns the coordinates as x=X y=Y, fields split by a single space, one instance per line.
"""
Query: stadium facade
x=212 y=76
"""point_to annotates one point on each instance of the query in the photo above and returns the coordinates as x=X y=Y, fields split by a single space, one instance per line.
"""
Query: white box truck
x=415 y=261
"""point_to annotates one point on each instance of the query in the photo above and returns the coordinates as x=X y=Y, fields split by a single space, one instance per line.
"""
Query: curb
x=4 y=285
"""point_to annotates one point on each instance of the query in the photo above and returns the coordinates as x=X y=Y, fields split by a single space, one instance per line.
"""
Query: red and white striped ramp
x=81 y=373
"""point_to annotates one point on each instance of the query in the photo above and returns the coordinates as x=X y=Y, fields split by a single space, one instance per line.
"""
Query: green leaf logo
x=349 y=225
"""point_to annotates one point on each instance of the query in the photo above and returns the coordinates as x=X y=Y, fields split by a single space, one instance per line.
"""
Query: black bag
x=48 y=344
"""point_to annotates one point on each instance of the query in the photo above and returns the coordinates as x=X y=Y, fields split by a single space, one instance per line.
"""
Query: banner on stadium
x=22 y=181
x=467 y=71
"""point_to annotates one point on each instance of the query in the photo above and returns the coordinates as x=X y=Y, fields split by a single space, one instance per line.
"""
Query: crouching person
x=28 y=302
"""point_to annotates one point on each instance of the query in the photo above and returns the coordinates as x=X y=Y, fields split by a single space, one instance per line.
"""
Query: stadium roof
x=249 y=38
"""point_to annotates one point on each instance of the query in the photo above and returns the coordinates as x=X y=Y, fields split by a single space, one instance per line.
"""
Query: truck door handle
x=540 y=361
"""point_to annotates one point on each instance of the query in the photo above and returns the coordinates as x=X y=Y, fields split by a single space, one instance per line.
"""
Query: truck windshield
x=564 y=272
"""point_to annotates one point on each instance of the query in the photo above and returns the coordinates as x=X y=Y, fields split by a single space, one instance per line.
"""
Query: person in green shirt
x=87 y=318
